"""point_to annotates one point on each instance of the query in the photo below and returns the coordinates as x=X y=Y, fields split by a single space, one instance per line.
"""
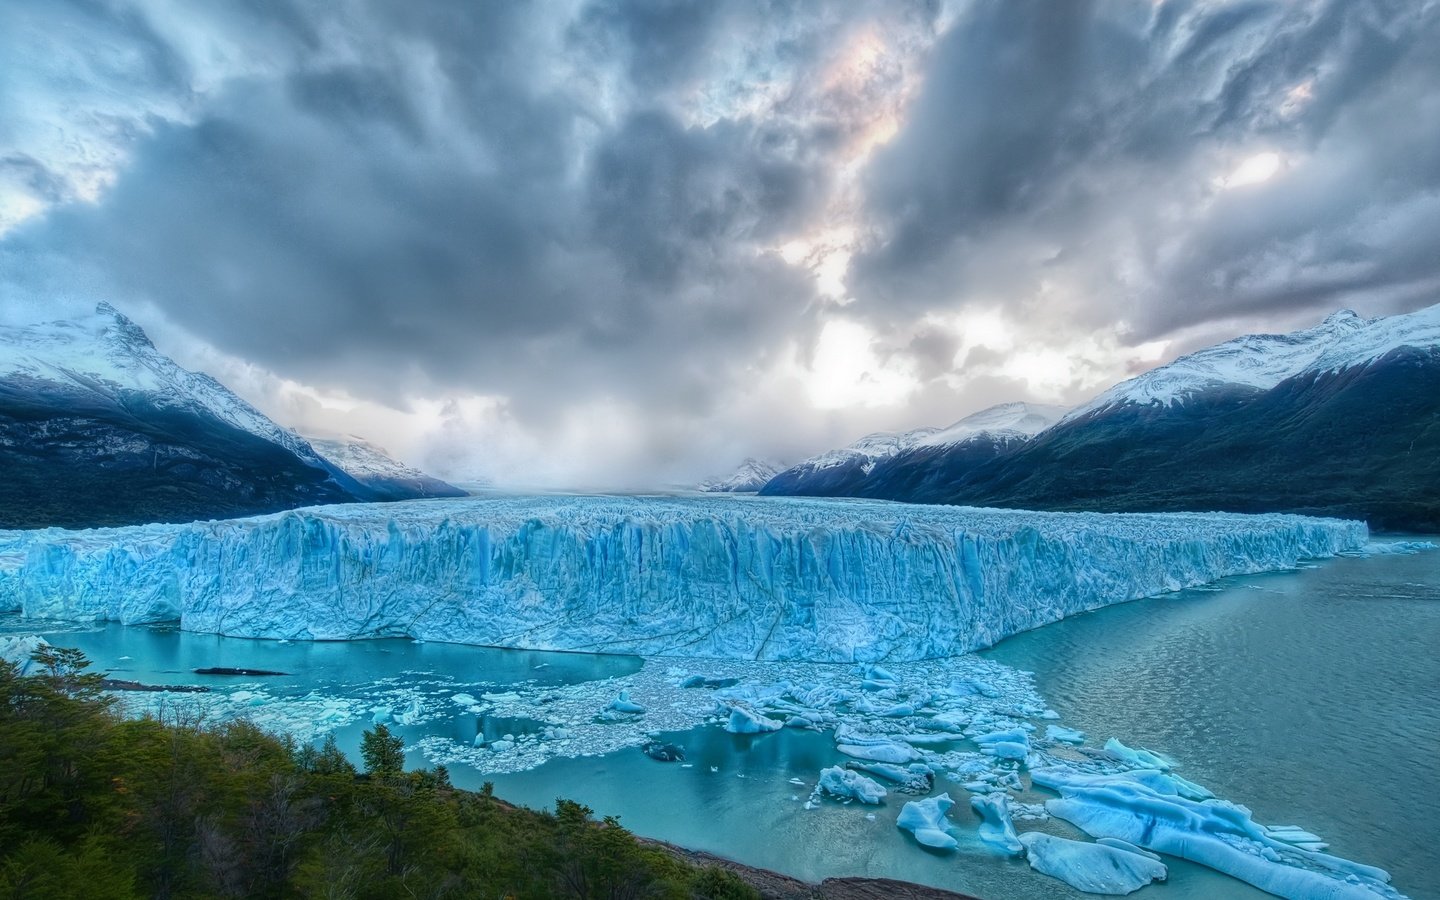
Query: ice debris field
x=722 y=577
x=920 y=736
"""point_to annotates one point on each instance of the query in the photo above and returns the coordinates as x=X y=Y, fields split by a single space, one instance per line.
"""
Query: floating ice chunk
x=876 y=673
x=1012 y=743
x=926 y=820
x=744 y=720
x=929 y=738
x=895 y=711
x=379 y=715
x=702 y=681
x=1063 y=735
x=885 y=752
x=1154 y=814
x=16 y=651
x=624 y=704
x=502 y=745
x=1093 y=868
x=463 y=699
x=848 y=785
x=1294 y=834
x=411 y=715
x=996 y=828
x=914 y=778
x=1144 y=759
x=969 y=687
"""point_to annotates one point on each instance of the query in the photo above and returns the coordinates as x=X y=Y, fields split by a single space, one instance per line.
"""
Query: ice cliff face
x=717 y=577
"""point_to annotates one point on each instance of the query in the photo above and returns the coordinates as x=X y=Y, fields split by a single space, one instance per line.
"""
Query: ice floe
x=845 y=784
x=1094 y=868
x=926 y=820
x=1150 y=813
x=996 y=829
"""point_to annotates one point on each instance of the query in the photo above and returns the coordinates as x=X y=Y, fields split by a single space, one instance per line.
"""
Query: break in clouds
x=615 y=243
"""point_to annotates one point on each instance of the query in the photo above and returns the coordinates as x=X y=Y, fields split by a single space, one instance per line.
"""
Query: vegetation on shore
x=97 y=806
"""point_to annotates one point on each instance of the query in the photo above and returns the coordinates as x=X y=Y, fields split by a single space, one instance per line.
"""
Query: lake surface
x=1312 y=697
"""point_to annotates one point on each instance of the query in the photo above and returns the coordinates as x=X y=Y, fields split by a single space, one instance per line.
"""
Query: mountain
x=836 y=473
x=750 y=476
x=97 y=427
x=877 y=465
x=1341 y=419
x=383 y=477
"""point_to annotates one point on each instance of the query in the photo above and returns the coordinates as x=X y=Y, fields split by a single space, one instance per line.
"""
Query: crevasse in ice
x=782 y=579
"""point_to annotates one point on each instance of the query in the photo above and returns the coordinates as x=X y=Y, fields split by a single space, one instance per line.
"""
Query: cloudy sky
x=615 y=243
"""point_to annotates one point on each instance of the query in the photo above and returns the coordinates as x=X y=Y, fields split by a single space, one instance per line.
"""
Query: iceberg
x=17 y=649
x=718 y=577
x=848 y=785
x=623 y=704
x=1137 y=757
x=996 y=829
x=1097 y=868
x=926 y=820
x=748 y=721
x=1148 y=810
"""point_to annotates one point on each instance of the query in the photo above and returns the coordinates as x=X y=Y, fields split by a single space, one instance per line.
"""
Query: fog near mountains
x=620 y=244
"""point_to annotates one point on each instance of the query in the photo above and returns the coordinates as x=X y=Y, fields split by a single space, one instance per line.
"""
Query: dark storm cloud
x=562 y=205
x=322 y=225
x=1060 y=123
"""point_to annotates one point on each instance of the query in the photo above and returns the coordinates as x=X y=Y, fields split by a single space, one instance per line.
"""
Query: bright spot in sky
x=1253 y=170
x=794 y=252
x=846 y=371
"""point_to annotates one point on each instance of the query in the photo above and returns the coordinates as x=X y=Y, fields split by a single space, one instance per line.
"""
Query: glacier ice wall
x=751 y=578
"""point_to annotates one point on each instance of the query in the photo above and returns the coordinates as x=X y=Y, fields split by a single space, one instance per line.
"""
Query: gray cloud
x=572 y=208
x=1055 y=138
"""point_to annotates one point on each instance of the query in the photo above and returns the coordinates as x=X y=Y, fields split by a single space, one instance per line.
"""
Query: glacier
x=717 y=577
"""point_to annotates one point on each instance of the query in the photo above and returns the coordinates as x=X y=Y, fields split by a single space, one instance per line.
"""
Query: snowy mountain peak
x=1003 y=421
x=1261 y=361
x=751 y=475
x=871 y=448
x=105 y=354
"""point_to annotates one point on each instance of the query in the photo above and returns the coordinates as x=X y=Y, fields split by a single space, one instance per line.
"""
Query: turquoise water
x=1313 y=697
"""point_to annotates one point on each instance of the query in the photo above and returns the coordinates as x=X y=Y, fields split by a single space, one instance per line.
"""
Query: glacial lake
x=1312 y=697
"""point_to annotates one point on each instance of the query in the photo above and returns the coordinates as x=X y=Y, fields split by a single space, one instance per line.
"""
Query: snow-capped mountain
x=1339 y=419
x=1004 y=421
x=385 y=477
x=836 y=473
x=107 y=355
x=751 y=475
x=842 y=472
x=99 y=427
x=1261 y=361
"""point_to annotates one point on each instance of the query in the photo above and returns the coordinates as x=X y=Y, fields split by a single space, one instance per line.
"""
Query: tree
x=383 y=753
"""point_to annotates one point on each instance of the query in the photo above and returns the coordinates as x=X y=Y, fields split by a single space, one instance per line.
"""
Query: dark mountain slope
x=69 y=458
x=1362 y=442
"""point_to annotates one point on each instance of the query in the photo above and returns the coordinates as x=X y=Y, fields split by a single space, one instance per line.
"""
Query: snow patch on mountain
x=1005 y=421
x=869 y=450
x=374 y=468
x=750 y=476
x=1261 y=361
